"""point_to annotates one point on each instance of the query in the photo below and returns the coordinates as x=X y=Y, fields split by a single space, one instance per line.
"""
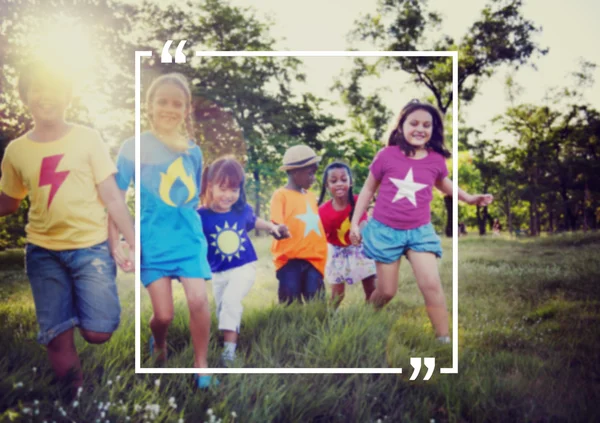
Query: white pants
x=229 y=289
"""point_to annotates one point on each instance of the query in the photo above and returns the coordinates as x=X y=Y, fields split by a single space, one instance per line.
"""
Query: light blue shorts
x=386 y=245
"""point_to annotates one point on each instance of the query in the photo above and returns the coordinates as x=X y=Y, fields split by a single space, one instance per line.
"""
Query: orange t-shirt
x=299 y=212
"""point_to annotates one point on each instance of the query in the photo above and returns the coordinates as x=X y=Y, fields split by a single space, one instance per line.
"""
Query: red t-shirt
x=337 y=223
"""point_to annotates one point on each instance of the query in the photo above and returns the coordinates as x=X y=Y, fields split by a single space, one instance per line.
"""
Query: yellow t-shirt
x=60 y=178
x=299 y=212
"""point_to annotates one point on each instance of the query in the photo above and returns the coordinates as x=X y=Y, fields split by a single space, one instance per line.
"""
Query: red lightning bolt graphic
x=49 y=175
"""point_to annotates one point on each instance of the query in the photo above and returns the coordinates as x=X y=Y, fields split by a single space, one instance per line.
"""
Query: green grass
x=529 y=323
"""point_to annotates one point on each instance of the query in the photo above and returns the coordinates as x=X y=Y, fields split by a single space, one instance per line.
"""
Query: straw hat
x=299 y=156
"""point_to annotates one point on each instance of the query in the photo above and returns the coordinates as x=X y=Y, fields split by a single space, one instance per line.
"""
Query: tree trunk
x=508 y=215
x=586 y=199
x=449 y=222
x=257 y=197
x=538 y=220
x=482 y=218
x=532 y=218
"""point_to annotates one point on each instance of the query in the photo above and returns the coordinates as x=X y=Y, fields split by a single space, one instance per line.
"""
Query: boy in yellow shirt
x=299 y=259
x=69 y=176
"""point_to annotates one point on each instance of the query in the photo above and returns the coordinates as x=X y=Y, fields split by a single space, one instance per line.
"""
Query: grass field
x=529 y=326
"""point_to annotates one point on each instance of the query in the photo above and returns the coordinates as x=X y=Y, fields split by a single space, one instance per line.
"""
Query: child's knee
x=432 y=290
x=95 y=337
x=198 y=303
x=163 y=318
x=387 y=292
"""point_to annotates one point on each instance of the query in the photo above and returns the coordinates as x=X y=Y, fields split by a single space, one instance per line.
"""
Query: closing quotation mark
x=415 y=362
x=166 y=57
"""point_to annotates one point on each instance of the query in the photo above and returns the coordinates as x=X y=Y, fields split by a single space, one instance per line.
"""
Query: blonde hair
x=179 y=80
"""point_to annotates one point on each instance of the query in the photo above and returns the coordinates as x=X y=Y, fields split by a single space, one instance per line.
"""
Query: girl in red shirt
x=346 y=263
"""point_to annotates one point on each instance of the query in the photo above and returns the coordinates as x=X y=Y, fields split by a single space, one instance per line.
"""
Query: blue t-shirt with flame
x=171 y=230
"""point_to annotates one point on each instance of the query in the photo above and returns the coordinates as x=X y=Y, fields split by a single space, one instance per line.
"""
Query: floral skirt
x=348 y=265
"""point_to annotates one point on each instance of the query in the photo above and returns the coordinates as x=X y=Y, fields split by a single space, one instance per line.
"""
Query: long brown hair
x=227 y=172
x=436 y=143
x=180 y=81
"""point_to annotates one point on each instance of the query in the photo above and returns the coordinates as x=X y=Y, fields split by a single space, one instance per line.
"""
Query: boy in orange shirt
x=300 y=259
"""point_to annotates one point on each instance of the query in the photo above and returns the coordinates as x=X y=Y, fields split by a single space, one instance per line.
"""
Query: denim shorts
x=299 y=279
x=386 y=245
x=73 y=288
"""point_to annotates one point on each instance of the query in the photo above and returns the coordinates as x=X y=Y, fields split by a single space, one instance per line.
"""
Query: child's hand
x=279 y=231
x=481 y=199
x=355 y=236
x=125 y=261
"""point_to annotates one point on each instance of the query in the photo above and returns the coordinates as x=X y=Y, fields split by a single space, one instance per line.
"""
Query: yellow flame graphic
x=176 y=170
x=343 y=230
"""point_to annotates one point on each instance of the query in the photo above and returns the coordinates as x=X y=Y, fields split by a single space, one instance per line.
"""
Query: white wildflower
x=36 y=402
x=118 y=378
x=109 y=382
x=34 y=369
x=137 y=407
x=157 y=383
x=18 y=385
x=233 y=414
x=102 y=415
x=75 y=404
x=180 y=421
x=79 y=391
x=209 y=411
x=26 y=410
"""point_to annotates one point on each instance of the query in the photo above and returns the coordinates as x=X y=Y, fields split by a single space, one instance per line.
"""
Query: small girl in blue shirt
x=226 y=221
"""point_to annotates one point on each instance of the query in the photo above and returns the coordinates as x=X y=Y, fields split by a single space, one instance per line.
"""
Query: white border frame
x=341 y=370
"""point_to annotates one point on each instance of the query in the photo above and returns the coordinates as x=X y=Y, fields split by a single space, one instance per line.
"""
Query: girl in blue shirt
x=226 y=221
x=172 y=241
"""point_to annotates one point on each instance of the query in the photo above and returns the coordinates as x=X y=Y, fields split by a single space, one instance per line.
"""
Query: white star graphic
x=311 y=221
x=407 y=188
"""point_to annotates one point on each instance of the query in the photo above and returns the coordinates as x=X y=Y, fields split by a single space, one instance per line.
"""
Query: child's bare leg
x=387 y=283
x=368 y=286
x=426 y=272
x=195 y=292
x=95 y=337
x=230 y=336
x=64 y=359
x=161 y=295
x=337 y=293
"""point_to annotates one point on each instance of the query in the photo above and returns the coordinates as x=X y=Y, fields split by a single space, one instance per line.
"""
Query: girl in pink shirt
x=406 y=172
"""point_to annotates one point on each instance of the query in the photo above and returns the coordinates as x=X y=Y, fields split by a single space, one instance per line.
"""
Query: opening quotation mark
x=415 y=362
x=166 y=57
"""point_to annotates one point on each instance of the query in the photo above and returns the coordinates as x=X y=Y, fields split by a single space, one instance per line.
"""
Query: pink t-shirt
x=406 y=187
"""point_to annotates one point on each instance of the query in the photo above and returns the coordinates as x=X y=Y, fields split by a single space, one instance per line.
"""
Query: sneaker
x=206 y=381
x=227 y=360
x=443 y=339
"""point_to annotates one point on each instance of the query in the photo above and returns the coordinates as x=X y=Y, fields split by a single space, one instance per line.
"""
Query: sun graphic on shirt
x=228 y=241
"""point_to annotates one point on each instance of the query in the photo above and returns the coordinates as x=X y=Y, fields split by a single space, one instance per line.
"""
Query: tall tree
x=255 y=91
x=500 y=36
